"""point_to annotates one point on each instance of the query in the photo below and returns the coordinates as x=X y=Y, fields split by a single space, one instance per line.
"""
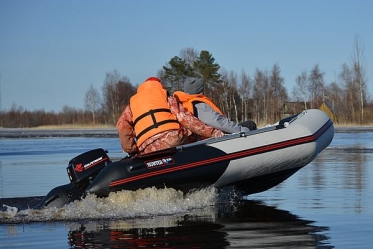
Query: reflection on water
x=218 y=222
x=248 y=224
x=241 y=225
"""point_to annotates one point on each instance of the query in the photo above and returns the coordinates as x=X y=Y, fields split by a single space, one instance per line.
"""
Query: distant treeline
x=261 y=97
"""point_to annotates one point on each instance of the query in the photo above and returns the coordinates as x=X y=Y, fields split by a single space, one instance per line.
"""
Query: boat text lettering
x=159 y=162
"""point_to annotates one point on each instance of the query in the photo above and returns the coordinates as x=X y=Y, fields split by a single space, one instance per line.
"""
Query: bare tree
x=70 y=115
x=92 y=102
x=277 y=94
x=359 y=73
x=245 y=89
x=300 y=89
x=316 y=86
x=350 y=90
x=232 y=90
x=260 y=95
x=190 y=55
x=336 y=99
x=116 y=93
x=222 y=92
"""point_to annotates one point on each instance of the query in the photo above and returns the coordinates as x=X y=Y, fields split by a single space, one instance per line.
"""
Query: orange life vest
x=150 y=111
x=187 y=101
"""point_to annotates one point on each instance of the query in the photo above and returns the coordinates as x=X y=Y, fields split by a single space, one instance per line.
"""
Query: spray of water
x=124 y=204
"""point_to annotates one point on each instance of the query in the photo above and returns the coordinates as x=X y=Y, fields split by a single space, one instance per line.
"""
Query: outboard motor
x=81 y=171
x=85 y=167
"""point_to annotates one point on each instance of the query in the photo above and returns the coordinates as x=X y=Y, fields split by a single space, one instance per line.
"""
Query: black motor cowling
x=85 y=167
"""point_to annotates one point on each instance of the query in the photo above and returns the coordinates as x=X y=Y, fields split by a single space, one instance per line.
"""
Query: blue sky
x=52 y=50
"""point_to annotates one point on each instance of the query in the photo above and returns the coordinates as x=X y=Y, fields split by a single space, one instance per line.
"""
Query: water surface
x=327 y=204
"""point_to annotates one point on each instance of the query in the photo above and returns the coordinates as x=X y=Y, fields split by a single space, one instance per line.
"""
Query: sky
x=51 y=51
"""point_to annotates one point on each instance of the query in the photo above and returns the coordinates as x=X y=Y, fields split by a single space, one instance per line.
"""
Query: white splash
x=124 y=204
x=9 y=213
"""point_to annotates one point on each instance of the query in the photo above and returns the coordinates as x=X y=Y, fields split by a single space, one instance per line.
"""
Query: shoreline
x=112 y=132
x=45 y=133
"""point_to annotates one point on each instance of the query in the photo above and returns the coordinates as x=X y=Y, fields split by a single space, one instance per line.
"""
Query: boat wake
x=124 y=204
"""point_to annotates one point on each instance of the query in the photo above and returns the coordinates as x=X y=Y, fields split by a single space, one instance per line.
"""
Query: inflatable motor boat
x=251 y=162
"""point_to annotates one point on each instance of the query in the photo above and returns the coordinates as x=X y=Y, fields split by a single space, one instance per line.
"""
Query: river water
x=327 y=204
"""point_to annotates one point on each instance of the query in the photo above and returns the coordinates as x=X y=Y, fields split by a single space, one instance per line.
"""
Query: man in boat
x=154 y=121
x=204 y=109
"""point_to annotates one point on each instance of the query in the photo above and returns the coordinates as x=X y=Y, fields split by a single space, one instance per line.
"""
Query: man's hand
x=217 y=133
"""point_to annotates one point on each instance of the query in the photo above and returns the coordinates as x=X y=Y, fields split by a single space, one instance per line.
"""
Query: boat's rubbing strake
x=227 y=157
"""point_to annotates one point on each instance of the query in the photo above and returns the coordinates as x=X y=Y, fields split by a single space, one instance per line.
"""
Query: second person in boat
x=194 y=101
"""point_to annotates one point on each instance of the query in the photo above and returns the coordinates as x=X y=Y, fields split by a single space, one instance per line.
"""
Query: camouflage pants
x=168 y=139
